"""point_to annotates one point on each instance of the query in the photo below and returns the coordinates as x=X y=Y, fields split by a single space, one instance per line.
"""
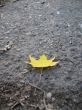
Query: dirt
x=36 y=27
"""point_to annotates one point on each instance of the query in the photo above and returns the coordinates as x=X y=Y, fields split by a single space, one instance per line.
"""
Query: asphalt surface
x=36 y=27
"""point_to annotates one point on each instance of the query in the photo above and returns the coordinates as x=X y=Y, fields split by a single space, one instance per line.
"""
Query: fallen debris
x=7 y=47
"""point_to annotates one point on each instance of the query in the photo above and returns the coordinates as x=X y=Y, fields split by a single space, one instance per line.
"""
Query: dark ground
x=53 y=27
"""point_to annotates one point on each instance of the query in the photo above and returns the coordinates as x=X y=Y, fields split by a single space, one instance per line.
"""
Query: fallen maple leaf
x=42 y=62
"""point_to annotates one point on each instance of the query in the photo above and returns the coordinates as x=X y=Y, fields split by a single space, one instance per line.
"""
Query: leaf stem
x=41 y=74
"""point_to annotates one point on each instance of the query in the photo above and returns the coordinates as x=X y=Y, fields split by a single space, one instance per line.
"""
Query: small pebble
x=18 y=49
x=49 y=95
x=53 y=99
x=48 y=5
x=70 y=42
x=68 y=25
x=6 y=37
x=39 y=15
x=80 y=25
x=58 y=12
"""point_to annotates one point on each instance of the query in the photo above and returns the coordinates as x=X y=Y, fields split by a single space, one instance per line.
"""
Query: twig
x=36 y=87
x=44 y=101
x=14 y=105
x=41 y=74
x=17 y=103
x=32 y=105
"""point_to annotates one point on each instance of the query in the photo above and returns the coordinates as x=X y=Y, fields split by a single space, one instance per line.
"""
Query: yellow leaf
x=42 y=62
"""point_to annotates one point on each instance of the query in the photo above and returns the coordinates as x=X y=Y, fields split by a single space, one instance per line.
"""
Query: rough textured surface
x=43 y=26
